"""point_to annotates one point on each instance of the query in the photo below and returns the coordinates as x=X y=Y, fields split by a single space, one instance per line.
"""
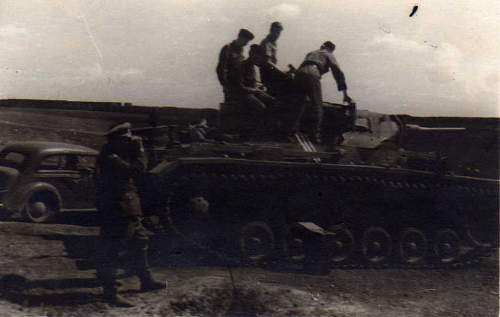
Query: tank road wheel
x=446 y=245
x=256 y=241
x=295 y=245
x=412 y=246
x=342 y=244
x=376 y=245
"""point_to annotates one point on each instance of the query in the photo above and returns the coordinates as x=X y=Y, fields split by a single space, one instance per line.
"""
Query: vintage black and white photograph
x=249 y=158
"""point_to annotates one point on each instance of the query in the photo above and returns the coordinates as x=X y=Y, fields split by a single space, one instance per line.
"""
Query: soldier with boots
x=307 y=84
x=120 y=166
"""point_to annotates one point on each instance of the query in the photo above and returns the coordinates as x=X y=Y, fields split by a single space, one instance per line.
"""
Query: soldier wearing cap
x=230 y=56
x=119 y=168
x=269 y=69
x=307 y=84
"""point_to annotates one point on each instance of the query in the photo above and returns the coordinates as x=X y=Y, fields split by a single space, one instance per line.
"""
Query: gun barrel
x=442 y=129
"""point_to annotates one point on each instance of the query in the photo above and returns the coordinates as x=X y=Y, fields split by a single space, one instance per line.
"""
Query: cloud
x=446 y=64
x=284 y=10
x=12 y=41
x=441 y=70
x=394 y=42
x=12 y=30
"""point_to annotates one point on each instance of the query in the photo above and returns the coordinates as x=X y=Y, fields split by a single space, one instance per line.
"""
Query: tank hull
x=378 y=216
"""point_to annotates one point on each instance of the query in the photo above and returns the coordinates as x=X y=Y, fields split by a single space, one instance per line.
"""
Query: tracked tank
x=375 y=203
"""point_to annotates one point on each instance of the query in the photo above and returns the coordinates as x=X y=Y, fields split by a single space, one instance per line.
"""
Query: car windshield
x=13 y=159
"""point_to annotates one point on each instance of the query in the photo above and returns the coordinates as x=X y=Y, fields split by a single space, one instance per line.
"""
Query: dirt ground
x=47 y=270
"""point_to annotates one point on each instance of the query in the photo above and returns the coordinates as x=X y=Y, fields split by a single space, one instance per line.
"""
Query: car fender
x=19 y=199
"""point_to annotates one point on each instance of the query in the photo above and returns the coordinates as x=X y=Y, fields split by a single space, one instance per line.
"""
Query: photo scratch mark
x=431 y=45
x=384 y=29
x=414 y=10
x=91 y=36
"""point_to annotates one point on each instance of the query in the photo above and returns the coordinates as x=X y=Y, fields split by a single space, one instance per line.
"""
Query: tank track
x=316 y=175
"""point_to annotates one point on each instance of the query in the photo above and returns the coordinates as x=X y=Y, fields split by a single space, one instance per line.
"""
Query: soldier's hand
x=348 y=99
x=264 y=94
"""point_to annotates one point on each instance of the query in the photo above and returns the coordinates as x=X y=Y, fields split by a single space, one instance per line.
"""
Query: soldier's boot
x=148 y=283
x=111 y=297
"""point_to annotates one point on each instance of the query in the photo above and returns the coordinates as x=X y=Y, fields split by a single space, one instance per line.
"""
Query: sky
x=442 y=61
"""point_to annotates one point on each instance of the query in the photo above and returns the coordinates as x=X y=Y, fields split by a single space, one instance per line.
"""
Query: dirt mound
x=216 y=297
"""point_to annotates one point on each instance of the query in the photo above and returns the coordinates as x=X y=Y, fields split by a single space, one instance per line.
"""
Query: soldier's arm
x=98 y=178
x=339 y=77
x=137 y=163
x=222 y=67
x=337 y=73
x=239 y=77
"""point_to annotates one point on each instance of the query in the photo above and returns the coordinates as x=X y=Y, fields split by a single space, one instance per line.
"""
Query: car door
x=72 y=175
x=85 y=184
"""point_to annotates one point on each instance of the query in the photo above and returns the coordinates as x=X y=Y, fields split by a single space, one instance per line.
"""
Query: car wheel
x=40 y=207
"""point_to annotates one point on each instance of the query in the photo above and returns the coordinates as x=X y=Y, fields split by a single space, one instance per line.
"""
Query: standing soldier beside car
x=120 y=166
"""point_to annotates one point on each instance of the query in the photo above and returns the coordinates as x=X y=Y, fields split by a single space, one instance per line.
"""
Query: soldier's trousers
x=308 y=86
x=127 y=237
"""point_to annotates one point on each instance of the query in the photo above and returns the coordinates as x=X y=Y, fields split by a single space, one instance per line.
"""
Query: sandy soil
x=47 y=270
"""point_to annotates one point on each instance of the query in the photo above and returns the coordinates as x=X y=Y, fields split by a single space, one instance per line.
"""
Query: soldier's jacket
x=270 y=49
x=230 y=56
x=117 y=180
x=243 y=77
x=319 y=62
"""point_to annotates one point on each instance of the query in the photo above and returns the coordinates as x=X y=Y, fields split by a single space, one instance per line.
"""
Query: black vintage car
x=40 y=179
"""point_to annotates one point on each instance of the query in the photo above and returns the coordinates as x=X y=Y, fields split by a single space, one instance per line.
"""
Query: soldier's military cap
x=328 y=45
x=246 y=34
x=119 y=129
x=276 y=25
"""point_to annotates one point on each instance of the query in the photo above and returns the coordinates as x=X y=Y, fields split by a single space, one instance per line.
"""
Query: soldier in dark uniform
x=120 y=166
x=307 y=83
x=230 y=56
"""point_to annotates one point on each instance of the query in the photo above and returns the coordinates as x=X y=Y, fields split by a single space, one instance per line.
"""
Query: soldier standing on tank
x=307 y=83
x=269 y=70
x=231 y=56
x=120 y=166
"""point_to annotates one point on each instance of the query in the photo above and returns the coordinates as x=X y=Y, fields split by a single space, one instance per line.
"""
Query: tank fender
x=164 y=169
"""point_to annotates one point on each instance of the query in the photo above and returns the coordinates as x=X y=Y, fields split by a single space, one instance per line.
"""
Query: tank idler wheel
x=446 y=246
x=256 y=241
x=376 y=245
x=342 y=244
x=412 y=246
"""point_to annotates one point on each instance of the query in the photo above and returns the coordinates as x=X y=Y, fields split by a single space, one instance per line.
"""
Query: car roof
x=45 y=148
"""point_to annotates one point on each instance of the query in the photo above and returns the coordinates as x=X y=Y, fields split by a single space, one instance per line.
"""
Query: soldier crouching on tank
x=120 y=166
x=246 y=88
